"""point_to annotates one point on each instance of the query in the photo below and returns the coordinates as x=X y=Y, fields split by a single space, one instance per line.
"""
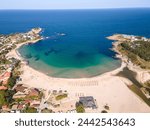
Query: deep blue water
x=84 y=50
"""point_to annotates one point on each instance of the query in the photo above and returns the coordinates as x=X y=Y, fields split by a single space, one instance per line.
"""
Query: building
x=4 y=77
x=35 y=103
x=33 y=92
x=88 y=102
x=14 y=108
x=3 y=88
x=20 y=88
x=21 y=107
x=5 y=108
x=19 y=95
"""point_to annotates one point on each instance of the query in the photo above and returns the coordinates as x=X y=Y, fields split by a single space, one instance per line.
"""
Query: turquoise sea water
x=76 y=45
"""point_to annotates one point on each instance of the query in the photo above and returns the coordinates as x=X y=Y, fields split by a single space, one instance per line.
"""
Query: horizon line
x=82 y=8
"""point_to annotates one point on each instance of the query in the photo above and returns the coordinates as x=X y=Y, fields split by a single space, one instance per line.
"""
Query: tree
x=80 y=107
x=60 y=97
x=30 y=110
x=11 y=81
x=2 y=98
x=8 y=96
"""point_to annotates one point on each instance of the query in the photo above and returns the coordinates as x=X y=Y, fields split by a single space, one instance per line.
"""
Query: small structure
x=19 y=95
x=35 y=103
x=4 y=77
x=3 y=88
x=14 y=108
x=20 y=88
x=88 y=102
x=54 y=92
x=34 y=92
x=5 y=108
x=21 y=107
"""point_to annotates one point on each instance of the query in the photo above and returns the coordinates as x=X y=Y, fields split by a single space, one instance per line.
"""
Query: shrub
x=60 y=97
x=30 y=110
x=11 y=81
x=2 y=98
x=80 y=107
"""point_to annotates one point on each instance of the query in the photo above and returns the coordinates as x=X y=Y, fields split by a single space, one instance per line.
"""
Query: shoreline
x=143 y=75
x=14 y=53
x=105 y=88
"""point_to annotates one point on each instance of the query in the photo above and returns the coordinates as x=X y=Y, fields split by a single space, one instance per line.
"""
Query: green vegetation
x=62 y=96
x=11 y=81
x=30 y=110
x=32 y=97
x=14 y=76
x=2 y=98
x=6 y=97
x=46 y=110
x=4 y=61
x=80 y=108
x=138 y=92
x=137 y=51
x=7 y=43
x=9 y=96
x=19 y=100
x=140 y=48
x=41 y=95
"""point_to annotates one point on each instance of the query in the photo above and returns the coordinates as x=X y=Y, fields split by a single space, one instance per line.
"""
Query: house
x=14 y=107
x=35 y=103
x=88 y=102
x=19 y=95
x=3 y=88
x=4 y=77
x=20 y=88
x=5 y=108
x=33 y=92
x=27 y=101
x=35 y=106
x=21 y=107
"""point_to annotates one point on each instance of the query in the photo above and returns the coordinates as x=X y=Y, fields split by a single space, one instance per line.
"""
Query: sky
x=72 y=4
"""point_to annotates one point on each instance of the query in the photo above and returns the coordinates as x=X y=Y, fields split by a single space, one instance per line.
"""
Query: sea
x=75 y=43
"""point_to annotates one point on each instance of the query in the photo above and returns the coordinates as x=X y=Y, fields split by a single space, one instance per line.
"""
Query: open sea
x=75 y=44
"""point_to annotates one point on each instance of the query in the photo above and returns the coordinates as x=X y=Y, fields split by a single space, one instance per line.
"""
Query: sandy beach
x=106 y=88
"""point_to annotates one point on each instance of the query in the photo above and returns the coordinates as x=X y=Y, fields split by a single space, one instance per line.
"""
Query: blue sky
x=71 y=4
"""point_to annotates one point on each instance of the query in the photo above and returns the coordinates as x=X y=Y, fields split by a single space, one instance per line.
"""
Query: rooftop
x=88 y=102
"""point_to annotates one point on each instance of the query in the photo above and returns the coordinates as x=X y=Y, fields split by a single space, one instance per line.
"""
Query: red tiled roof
x=20 y=106
x=27 y=101
x=3 y=88
x=6 y=74
x=33 y=92
x=4 y=77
